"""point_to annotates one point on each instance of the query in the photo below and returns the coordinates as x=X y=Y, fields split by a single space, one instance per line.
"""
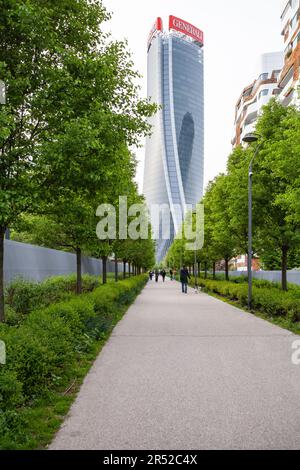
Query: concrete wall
x=37 y=263
x=274 y=276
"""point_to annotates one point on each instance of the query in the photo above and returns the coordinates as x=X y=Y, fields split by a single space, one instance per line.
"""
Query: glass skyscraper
x=174 y=161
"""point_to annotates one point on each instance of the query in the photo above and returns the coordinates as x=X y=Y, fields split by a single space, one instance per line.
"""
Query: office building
x=174 y=160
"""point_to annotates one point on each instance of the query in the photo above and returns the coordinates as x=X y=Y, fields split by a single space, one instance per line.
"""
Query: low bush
x=11 y=390
x=12 y=317
x=42 y=352
x=24 y=296
x=267 y=299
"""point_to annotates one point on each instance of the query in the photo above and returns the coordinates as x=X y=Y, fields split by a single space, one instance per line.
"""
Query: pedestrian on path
x=150 y=275
x=163 y=274
x=171 y=274
x=184 y=279
x=156 y=275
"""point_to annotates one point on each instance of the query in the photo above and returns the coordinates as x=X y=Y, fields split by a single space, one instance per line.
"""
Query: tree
x=72 y=103
x=71 y=227
x=34 y=37
x=278 y=175
x=218 y=219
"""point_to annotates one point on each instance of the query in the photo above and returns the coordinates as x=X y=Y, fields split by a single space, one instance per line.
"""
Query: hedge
x=266 y=298
x=42 y=351
x=23 y=296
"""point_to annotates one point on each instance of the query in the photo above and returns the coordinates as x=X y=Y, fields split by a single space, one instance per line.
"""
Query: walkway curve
x=188 y=372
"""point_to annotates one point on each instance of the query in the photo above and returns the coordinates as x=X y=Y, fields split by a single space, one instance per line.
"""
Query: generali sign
x=158 y=26
x=186 y=28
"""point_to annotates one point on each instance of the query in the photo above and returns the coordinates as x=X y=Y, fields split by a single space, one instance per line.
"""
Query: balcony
x=252 y=108
x=288 y=99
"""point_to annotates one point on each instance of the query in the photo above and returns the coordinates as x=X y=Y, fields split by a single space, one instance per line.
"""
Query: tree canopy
x=276 y=207
x=72 y=113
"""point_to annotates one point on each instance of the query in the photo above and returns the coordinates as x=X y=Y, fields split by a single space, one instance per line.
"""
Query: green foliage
x=43 y=351
x=73 y=112
x=24 y=296
x=12 y=317
x=12 y=426
x=276 y=196
x=11 y=393
x=267 y=297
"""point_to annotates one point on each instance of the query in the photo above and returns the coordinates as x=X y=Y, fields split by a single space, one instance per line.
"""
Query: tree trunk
x=194 y=271
x=214 y=270
x=78 y=271
x=124 y=269
x=2 y=314
x=116 y=269
x=227 y=269
x=284 y=257
x=199 y=267
x=205 y=270
x=104 y=269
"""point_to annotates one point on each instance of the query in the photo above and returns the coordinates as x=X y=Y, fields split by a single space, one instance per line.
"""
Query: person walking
x=163 y=274
x=156 y=275
x=184 y=279
x=150 y=275
x=171 y=274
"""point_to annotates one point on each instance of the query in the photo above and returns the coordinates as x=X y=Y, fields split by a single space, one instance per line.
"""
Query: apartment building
x=289 y=77
x=257 y=94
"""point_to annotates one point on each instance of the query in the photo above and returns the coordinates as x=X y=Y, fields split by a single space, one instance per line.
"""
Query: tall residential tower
x=175 y=151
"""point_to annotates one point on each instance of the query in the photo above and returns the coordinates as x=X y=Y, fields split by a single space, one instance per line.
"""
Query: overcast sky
x=236 y=32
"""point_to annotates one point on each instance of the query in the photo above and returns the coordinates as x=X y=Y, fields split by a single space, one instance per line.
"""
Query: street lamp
x=182 y=238
x=249 y=139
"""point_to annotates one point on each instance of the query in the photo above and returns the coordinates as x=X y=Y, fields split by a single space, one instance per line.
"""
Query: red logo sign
x=186 y=28
x=158 y=26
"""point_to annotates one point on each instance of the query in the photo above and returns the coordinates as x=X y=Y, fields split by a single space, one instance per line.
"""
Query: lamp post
x=250 y=138
x=181 y=240
x=195 y=258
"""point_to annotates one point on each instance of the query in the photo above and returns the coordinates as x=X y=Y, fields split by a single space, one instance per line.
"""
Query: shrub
x=42 y=351
x=24 y=296
x=267 y=298
x=12 y=317
x=43 y=348
x=12 y=425
x=39 y=352
x=10 y=389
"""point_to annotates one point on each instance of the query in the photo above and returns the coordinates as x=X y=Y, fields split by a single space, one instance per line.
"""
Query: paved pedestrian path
x=188 y=372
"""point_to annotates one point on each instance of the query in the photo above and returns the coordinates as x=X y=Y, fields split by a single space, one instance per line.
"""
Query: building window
x=294 y=21
x=276 y=73
x=263 y=76
x=264 y=92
